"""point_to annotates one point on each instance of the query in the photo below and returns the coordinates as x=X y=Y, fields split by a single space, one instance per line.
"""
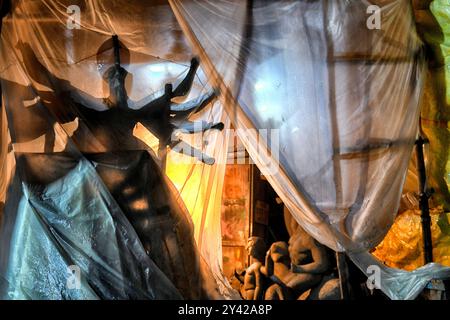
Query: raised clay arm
x=267 y=269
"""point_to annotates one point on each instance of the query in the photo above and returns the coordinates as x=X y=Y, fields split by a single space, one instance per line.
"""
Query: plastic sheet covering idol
x=438 y=119
x=338 y=83
x=433 y=24
x=89 y=213
x=403 y=245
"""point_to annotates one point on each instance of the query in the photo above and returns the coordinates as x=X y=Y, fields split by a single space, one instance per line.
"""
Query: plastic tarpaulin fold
x=339 y=85
x=403 y=245
x=85 y=188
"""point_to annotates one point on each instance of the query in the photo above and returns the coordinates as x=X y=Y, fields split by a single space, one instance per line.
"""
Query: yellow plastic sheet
x=403 y=245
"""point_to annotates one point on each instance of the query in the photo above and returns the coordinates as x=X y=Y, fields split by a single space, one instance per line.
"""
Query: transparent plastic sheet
x=438 y=129
x=201 y=188
x=433 y=20
x=343 y=99
x=403 y=245
x=400 y=284
x=53 y=230
x=6 y=160
x=88 y=190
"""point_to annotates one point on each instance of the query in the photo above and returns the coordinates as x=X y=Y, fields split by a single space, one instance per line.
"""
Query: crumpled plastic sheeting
x=438 y=129
x=344 y=100
x=133 y=228
x=330 y=95
x=441 y=12
x=433 y=21
x=402 y=247
x=400 y=284
x=75 y=221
